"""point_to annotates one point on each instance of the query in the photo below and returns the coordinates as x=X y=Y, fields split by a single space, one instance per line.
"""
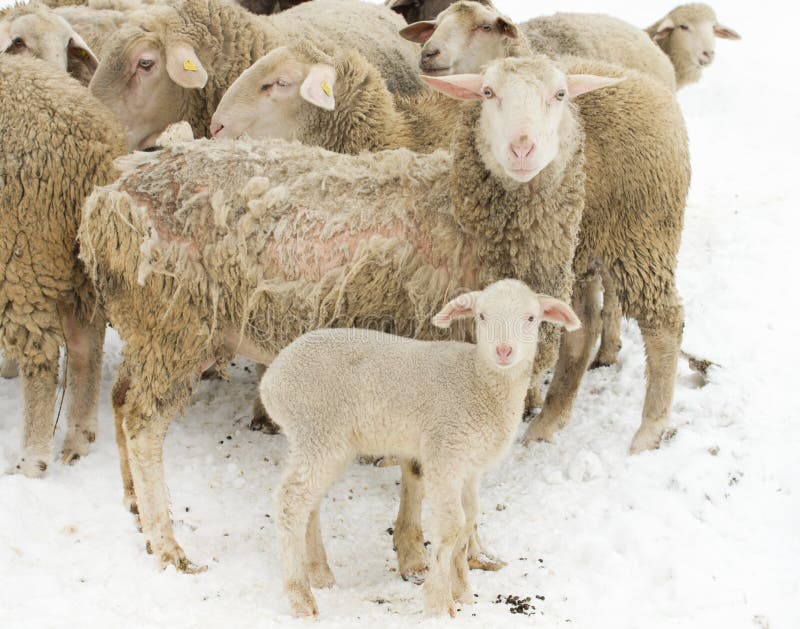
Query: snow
x=701 y=533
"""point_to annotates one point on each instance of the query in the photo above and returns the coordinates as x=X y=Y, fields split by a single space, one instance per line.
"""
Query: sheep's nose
x=430 y=53
x=504 y=351
x=522 y=149
x=216 y=127
x=709 y=55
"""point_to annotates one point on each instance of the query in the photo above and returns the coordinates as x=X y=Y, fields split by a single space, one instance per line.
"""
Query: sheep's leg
x=408 y=540
x=469 y=500
x=9 y=368
x=118 y=393
x=444 y=491
x=318 y=569
x=39 y=399
x=611 y=314
x=662 y=346
x=576 y=348
x=84 y=362
x=261 y=420
x=147 y=418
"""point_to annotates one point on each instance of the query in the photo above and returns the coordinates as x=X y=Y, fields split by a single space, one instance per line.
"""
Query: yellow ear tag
x=189 y=65
x=326 y=88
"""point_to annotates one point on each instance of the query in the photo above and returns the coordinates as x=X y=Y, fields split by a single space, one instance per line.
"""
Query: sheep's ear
x=184 y=67
x=507 y=27
x=724 y=32
x=78 y=50
x=458 y=308
x=578 y=84
x=418 y=32
x=664 y=29
x=317 y=88
x=460 y=86
x=556 y=311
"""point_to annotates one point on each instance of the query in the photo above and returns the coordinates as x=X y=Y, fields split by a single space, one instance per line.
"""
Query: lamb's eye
x=146 y=64
x=684 y=27
x=481 y=316
x=488 y=92
x=266 y=87
x=486 y=27
x=561 y=94
x=17 y=43
x=282 y=83
x=531 y=318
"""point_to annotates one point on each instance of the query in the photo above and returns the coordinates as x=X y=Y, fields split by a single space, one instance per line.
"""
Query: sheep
x=687 y=35
x=416 y=10
x=265 y=7
x=34 y=30
x=179 y=33
x=469 y=33
x=208 y=249
x=454 y=407
x=57 y=144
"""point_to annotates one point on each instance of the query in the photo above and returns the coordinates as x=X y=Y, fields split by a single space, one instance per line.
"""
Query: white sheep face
x=462 y=39
x=265 y=100
x=524 y=108
x=507 y=316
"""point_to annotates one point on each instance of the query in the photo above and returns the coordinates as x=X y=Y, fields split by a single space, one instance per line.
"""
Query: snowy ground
x=701 y=533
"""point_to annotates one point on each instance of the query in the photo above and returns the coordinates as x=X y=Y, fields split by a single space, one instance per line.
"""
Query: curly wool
x=57 y=144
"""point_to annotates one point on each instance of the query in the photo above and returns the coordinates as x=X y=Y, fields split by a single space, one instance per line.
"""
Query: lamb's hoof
x=302 y=600
x=76 y=445
x=173 y=555
x=646 y=438
x=321 y=576
x=9 y=368
x=30 y=466
x=262 y=423
x=485 y=561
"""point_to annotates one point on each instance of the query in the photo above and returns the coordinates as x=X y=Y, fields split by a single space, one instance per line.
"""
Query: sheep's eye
x=486 y=27
x=16 y=44
x=488 y=92
x=481 y=316
x=283 y=83
x=684 y=27
x=561 y=94
x=146 y=64
x=531 y=318
x=266 y=87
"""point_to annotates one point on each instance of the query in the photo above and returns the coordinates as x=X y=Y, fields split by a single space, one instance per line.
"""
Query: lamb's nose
x=430 y=53
x=216 y=127
x=709 y=54
x=522 y=150
x=503 y=350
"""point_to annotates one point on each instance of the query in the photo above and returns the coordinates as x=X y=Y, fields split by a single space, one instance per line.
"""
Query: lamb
x=469 y=33
x=49 y=163
x=454 y=407
x=208 y=249
x=228 y=39
x=687 y=35
x=416 y=10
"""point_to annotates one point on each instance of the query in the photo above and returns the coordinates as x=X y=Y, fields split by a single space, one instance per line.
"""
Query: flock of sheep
x=341 y=203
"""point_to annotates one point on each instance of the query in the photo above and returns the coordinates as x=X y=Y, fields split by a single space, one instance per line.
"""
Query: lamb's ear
x=458 y=308
x=664 y=29
x=317 y=88
x=507 y=27
x=578 y=84
x=556 y=311
x=460 y=86
x=724 y=32
x=78 y=50
x=418 y=32
x=184 y=67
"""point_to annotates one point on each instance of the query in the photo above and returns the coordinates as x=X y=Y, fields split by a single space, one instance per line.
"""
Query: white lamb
x=452 y=406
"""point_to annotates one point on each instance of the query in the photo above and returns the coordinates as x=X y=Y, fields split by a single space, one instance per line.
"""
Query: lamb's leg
x=261 y=420
x=39 y=399
x=408 y=540
x=9 y=368
x=118 y=393
x=576 y=348
x=444 y=490
x=469 y=499
x=84 y=362
x=318 y=569
x=662 y=346
x=479 y=558
x=611 y=314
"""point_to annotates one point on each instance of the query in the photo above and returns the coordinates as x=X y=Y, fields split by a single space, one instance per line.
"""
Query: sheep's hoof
x=533 y=400
x=646 y=438
x=76 y=445
x=598 y=362
x=417 y=577
x=321 y=576
x=301 y=600
x=538 y=431
x=485 y=561
x=32 y=467
x=9 y=368
x=174 y=556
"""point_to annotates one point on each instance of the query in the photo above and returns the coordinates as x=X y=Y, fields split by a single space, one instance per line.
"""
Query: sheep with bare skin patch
x=687 y=34
x=454 y=407
x=57 y=143
x=240 y=247
x=175 y=60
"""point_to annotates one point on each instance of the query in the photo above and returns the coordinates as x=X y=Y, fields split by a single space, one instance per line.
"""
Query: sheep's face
x=507 y=316
x=43 y=34
x=524 y=114
x=147 y=79
x=688 y=35
x=463 y=38
x=265 y=101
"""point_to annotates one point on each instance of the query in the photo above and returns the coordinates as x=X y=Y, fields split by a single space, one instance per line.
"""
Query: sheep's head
x=266 y=101
x=507 y=316
x=149 y=74
x=525 y=112
x=415 y=10
x=39 y=32
x=462 y=39
x=688 y=35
